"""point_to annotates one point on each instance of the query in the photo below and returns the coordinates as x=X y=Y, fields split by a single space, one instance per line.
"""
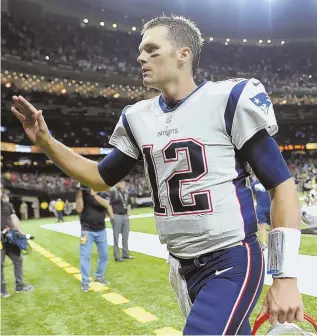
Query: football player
x=309 y=210
x=263 y=205
x=195 y=142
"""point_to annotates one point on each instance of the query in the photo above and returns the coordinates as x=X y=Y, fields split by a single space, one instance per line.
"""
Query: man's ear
x=184 y=55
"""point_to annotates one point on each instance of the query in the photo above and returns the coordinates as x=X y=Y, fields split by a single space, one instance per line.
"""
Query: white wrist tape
x=283 y=252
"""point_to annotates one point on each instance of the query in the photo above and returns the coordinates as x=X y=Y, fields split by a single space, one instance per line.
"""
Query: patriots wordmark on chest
x=167 y=132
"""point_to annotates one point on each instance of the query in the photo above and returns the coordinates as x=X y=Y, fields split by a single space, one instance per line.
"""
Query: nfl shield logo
x=168 y=118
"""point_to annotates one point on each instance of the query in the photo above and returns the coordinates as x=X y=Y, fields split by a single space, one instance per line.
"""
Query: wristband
x=283 y=253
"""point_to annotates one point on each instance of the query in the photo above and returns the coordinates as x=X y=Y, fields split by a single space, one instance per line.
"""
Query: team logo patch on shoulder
x=263 y=101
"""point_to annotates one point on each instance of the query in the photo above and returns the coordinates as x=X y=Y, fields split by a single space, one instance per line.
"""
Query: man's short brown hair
x=182 y=32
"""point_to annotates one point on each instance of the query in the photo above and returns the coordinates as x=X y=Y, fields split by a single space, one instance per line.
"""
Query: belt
x=188 y=265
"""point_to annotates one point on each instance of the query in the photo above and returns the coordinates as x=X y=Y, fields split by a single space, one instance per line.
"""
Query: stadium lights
x=47 y=58
x=282 y=42
x=114 y=25
x=269 y=41
x=260 y=41
x=133 y=28
x=244 y=40
x=102 y=23
x=116 y=95
x=226 y=43
x=310 y=76
x=85 y=20
x=211 y=38
x=8 y=85
x=228 y=40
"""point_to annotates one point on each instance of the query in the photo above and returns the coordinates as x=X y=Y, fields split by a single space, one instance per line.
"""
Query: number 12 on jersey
x=196 y=168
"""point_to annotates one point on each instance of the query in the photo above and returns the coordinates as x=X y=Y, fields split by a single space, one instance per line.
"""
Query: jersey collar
x=166 y=108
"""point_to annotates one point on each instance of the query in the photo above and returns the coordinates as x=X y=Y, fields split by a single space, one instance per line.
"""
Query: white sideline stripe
x=132 y=217
x=149 y=244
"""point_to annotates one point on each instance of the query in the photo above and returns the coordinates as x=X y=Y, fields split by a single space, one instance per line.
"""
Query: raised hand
x=32 y=120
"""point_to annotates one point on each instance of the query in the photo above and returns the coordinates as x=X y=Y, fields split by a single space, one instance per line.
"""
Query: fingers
x=300 y=314
x=290 y=317
x=274 y=316
x=17 y=102
x=282 y=315
x=25 y=108
x=41 y=121
x=18 y=115
x=24 y=103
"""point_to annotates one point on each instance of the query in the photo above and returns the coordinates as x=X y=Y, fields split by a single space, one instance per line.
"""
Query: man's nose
x=142 y=58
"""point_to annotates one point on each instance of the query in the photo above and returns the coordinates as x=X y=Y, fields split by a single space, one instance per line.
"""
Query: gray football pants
x=121 y=224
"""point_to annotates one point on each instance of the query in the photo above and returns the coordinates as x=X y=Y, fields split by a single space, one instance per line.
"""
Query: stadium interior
x=76 y=61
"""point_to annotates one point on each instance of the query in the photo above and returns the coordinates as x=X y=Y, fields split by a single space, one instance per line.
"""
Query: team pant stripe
x=255 y=292
x=245 y=283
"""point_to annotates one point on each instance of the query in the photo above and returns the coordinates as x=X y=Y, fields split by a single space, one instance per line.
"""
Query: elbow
x=288 y=187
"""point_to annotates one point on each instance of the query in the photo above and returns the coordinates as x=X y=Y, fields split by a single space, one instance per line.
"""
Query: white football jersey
x=201 y=201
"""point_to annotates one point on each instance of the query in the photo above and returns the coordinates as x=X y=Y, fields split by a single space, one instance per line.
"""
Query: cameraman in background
x=93 y=208
x=10 y=220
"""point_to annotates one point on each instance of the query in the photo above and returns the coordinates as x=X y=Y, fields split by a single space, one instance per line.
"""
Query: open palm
x=32 y=120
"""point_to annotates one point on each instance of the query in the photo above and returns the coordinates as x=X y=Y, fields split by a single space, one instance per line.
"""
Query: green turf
x=58 y=307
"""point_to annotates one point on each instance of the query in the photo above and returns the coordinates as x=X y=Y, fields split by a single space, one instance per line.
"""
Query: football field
x=138 y=301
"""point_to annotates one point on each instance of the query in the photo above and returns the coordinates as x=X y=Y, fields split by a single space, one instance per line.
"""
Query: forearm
x=15 y=222
x=285 y=206
x=101 y=201
x=79 y=203
x=110 y=211
x=285 y=215
x=78 y=167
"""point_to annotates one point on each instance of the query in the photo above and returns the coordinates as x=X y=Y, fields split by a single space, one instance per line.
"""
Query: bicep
x=266 y=160
x=115 y=166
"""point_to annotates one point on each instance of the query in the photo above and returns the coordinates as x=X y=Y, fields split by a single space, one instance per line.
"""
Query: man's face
x=158 y=58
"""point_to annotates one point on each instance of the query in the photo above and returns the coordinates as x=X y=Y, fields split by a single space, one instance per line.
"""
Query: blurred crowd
x=67 y=43
x=56 y=183
x=304 y=170
x=50 y=183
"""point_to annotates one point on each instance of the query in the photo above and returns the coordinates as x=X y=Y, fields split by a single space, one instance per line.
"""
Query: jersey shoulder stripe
x=232 y=102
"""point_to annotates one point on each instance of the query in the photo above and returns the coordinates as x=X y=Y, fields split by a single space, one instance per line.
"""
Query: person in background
x=59 y=207
x=263 y=208
x=67 y=208
x=121 y=205
x=93 y=208
x=24 y=210
x=10 y=220
x=51 y=208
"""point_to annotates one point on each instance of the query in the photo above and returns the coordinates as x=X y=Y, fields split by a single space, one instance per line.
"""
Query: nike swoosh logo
x=222 y=271
x=256 y=83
